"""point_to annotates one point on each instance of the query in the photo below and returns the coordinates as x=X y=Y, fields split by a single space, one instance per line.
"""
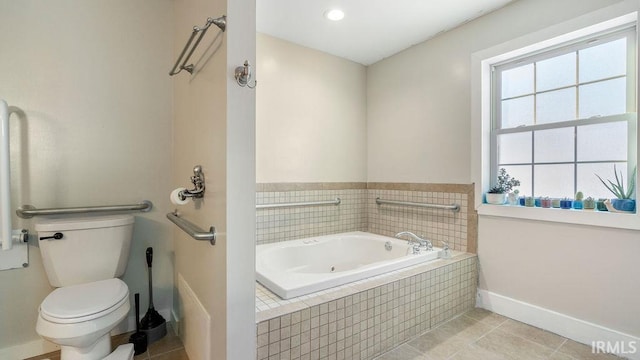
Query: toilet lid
x=71 y=304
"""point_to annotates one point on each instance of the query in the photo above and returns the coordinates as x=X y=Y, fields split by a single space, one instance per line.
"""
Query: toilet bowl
x=83 y=258
x=80 y=317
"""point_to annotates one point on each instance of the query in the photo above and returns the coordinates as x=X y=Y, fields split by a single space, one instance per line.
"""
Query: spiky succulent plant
x=618 y=188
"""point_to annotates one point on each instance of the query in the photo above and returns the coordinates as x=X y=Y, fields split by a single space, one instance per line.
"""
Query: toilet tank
x=90 y=249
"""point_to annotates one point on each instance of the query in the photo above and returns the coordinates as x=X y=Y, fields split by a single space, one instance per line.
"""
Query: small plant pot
x=628 y=205
x=566 y=204
x=512 y=199
x=529 y=201
x=600 y=205
x=589 y=204
x=496 y=199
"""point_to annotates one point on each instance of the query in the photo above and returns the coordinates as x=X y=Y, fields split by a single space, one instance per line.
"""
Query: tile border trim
x=269 y=187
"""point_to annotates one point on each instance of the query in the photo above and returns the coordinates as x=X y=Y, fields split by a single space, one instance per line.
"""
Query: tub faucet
x=413 y=238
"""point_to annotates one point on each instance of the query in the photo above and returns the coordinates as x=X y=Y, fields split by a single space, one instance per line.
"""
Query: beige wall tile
x=359 y=212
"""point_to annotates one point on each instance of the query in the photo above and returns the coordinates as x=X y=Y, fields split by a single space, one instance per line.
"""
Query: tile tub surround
x=363 y=320
x=458 y=229
x=274 y=225
x=359 y=212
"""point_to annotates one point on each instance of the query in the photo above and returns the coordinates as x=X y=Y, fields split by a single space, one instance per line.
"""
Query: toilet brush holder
x=152 y=324
x=155 y=326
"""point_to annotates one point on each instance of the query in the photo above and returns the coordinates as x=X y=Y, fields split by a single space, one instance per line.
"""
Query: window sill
x=582 y=217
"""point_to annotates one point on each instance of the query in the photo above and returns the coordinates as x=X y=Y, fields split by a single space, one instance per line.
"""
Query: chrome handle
x=416 y=248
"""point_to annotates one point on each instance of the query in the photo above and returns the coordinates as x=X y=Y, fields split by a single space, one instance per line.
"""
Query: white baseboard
x=41 y=346
x=29 y=349
x=575 y=329
x=176 y=322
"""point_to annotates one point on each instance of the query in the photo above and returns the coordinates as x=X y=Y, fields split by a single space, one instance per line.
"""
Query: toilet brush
x=138 y=339
x=153 y=324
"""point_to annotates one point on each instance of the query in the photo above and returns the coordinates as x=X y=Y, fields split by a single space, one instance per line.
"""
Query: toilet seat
x=84 y=302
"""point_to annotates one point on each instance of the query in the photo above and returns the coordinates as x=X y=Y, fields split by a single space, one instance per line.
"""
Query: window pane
x=514 y=148
x=603 y=142
x=603 y=61
x=554 y=181
x=517 y=81
x=603 y=98
x=556 y=72
x=517 y=112
x=589 y=184
x=554 y=145
x=522 y=173
x=555 y=106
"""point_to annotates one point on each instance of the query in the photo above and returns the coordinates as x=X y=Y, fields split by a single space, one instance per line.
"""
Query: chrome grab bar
x=193 y=230
x=29 y=211
x=336 y=201
x=452 y=207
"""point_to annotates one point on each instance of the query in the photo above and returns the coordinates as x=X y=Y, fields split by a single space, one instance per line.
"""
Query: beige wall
x=91 y=78
x=214 y=127
x=589 y=273
x=418 y=130
x=311 y=115
x=418 y=100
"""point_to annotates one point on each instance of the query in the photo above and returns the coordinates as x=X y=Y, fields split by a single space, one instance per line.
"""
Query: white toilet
x=83 y=257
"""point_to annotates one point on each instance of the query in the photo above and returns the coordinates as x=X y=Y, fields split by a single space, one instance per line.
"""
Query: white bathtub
x=299 y=267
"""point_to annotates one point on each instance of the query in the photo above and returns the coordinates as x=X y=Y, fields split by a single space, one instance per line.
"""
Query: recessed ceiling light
x=334 y=14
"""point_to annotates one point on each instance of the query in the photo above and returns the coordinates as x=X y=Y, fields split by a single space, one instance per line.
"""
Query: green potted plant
x=624 y=197
x=589 y=203
x=498 y=193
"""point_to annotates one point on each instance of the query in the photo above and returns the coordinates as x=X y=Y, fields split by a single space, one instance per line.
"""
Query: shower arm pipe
x=336 y=201
x=5 y=178
x=452 y=207
x=28 y=211
x=220 y=22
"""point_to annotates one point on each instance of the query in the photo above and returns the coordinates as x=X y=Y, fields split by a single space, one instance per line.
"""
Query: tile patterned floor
x=483 y=335
x=168 y=348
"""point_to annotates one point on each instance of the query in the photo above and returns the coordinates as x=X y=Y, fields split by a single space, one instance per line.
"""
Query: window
x=562 y=115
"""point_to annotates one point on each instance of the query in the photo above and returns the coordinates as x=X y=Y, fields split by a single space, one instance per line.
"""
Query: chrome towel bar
x=452 y=207
x=220 y=22
x=193 y=230
x=336 y=201
x=29 y=211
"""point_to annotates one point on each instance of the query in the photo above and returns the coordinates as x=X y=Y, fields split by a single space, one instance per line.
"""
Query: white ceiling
x=371 y=29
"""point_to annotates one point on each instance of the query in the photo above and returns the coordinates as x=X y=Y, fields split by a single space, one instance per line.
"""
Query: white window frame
x=481 y=118
x=628 y=32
